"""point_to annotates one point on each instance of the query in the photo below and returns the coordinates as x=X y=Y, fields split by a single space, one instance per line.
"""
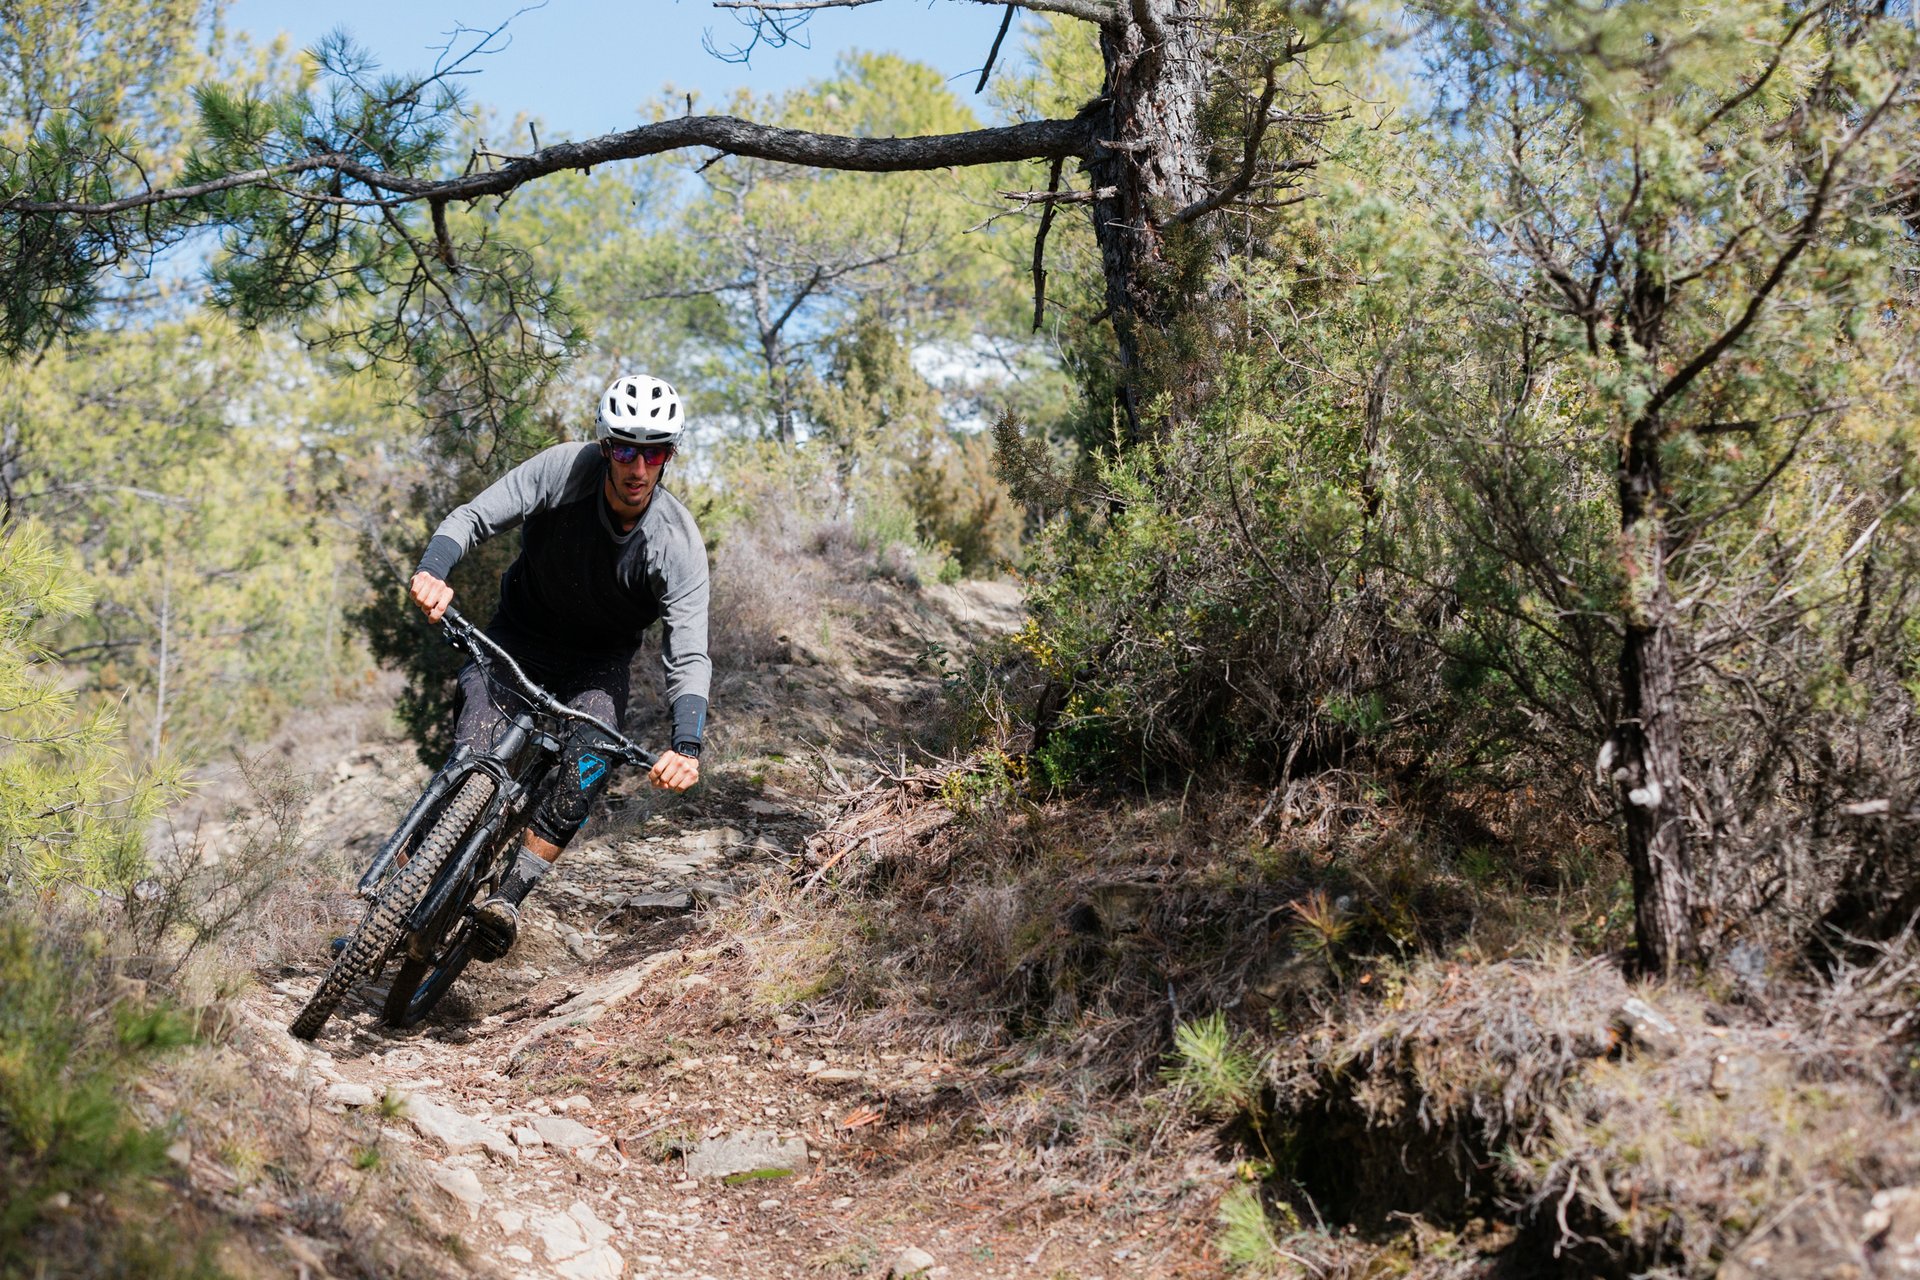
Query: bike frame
x=519 y=762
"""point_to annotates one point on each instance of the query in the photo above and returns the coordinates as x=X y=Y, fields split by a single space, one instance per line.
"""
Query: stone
x=714 y=839
x=463 y=1185
x=910 y=1262
x=568 y=1135
x=1648 y=1028
x=842 y=1202
x=510 y=1221
x=840 y=1075
x=589 y=1006
x=576 y=1241
x=518 y=1252
x=594 y=1230
x=350 y=1093
x=454 y=1130
x=573 y=1102
x=647 y=905
x=526 y=1136
x=559 y=1236
x=714 y=892
x=180 y=1152
x=1892 y=1227
x=749 y=1151
x=765 y=808
x=602 y=1262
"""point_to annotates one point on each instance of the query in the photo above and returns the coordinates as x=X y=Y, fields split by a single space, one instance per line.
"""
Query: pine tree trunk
x=1150 y=155
x=1647 y=737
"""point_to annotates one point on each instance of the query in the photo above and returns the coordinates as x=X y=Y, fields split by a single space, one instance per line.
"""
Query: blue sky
x=586 y=67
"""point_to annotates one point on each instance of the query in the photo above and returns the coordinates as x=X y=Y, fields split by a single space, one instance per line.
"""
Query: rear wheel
x=419 y=984
x=384 y=924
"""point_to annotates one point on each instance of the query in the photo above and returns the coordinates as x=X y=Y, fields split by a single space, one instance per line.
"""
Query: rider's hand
x=675 y=772
x=432 y=595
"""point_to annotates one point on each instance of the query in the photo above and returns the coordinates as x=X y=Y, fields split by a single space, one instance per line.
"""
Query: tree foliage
x=1573 y=426
x=69 y=811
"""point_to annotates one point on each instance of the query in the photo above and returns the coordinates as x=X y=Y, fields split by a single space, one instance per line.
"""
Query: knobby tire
x=384 y=924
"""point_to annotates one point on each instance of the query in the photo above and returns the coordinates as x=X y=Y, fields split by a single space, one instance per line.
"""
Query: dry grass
x=1435 y=988
x=1057 y=943
x=1511 y=1089
x=782 y=570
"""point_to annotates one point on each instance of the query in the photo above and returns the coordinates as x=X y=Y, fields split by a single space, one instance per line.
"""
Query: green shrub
x=70 y=1044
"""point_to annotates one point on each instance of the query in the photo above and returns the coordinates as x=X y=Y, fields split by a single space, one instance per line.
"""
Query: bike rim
x=443 y=969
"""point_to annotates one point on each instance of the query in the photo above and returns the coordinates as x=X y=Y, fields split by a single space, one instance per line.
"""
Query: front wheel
x=385 y=923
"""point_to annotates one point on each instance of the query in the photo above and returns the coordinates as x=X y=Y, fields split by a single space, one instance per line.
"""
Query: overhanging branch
x=1032 y=140
x=1087 y=10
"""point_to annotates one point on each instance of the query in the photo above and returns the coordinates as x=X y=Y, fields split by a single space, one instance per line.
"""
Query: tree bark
x=1147 y=160
x=1647 y=735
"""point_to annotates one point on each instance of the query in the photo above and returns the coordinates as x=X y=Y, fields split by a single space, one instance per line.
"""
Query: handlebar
x=464 y=635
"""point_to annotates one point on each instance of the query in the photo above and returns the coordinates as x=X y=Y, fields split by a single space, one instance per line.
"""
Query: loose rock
x=1648 y=1028
x=648 y=905
x=911 y=1262
x=455 y=1130
x=463 y=1185
x=568 y=1135
x=840 y=1075
x=750 y=1151
x=349 y=1093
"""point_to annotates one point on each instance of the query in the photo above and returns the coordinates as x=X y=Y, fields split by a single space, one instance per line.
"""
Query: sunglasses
x=652 y=454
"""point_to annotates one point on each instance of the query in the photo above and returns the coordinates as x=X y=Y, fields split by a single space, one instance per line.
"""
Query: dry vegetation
x=1448 y=1071
x=1428 y=1064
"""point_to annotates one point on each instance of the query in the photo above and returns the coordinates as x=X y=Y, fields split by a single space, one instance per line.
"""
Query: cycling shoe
x=496 y=924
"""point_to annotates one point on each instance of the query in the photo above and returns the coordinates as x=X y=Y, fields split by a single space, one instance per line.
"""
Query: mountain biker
x=604 y=552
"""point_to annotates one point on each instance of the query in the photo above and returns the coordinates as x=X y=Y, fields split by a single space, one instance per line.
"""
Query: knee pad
x=578 y=781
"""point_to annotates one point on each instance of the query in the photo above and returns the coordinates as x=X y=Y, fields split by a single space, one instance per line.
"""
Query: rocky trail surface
x=628 y=1093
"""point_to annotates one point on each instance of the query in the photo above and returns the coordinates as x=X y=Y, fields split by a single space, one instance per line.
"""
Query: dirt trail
x=615 y=1098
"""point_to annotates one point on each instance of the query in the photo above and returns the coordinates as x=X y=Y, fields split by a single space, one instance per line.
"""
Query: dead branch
x=1040 y=249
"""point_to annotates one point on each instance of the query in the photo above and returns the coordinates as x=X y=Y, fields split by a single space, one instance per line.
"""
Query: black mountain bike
x=452 y=849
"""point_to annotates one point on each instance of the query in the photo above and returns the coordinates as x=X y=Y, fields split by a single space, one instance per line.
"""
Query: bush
x=72 y=1038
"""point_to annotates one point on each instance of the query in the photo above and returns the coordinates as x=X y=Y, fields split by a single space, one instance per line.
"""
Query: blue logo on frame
x=592 y=769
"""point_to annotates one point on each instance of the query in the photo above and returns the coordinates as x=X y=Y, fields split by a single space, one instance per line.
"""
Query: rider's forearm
x=683 y=647
x=689 y=723
x=441 y=555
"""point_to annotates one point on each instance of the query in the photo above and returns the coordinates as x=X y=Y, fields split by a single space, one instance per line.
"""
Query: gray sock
x=526 y=872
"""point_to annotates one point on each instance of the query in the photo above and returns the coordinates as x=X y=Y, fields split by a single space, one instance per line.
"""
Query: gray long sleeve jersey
x=580 y=587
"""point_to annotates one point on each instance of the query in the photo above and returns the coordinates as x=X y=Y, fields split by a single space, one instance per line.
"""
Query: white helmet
x=639 y=409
